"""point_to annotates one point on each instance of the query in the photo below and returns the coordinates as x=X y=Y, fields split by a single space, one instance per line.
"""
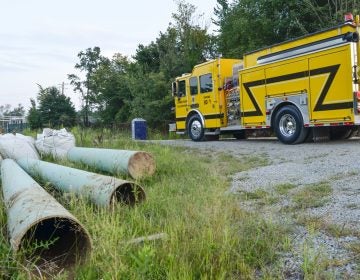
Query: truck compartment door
x=331 y=85
x=253 y=92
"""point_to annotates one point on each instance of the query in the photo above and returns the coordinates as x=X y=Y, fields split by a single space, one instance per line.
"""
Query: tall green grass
x=208 y=235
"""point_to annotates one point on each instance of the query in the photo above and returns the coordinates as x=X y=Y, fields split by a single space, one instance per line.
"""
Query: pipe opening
x=58 y=242
x=128 y=194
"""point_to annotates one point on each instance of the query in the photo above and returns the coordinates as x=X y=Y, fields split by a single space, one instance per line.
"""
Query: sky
x=40 y=39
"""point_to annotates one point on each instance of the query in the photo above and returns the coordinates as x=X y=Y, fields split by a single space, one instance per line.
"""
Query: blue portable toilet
x=138 y=129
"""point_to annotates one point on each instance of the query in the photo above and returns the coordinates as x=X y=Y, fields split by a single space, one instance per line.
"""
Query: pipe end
x=128 y=193
x=141 y=164
x=56 y=243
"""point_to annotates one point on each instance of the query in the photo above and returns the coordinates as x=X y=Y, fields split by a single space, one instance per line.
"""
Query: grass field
x=207 y=234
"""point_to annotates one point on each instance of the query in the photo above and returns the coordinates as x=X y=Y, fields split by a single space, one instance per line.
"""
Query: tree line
x=118 y=89
x=7 y=111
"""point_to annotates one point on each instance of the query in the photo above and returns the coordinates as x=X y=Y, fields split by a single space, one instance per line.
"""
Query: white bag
x=55 y=142
x=17 y=146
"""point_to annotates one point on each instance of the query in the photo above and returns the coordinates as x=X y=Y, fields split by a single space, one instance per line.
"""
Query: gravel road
x=331 y=241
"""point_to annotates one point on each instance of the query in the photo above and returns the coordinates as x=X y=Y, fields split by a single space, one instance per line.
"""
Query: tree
x=246 y=25
x=111 y=81
x=89 y=63
x=120 y=89
x=185 y=43
x=151 y=99
x=34 y=117
x=55 y=109
x=6 y=110
x=148 y=57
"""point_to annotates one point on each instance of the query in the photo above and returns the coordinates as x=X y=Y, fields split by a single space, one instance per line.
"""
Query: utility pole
x=62 y=85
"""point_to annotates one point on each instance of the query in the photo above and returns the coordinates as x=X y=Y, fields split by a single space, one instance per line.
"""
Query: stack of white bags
x=54 y=142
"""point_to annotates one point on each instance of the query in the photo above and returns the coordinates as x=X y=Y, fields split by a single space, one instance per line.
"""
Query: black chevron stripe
x=320 y=106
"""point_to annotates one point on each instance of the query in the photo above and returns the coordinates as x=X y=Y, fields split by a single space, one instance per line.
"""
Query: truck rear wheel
x=289 y=126
x=195 y=128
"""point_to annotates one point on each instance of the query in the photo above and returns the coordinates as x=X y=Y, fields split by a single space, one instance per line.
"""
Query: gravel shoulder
x=325 y=233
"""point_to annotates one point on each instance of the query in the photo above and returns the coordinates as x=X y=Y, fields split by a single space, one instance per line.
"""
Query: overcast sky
x=40 y=39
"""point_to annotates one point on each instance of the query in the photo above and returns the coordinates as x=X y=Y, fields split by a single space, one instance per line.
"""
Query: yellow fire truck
x=302 y=86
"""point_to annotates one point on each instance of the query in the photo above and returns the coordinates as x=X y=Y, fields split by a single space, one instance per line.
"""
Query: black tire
x=289 y=125
x=195 y=128
x=341 y=132
x=240 y=135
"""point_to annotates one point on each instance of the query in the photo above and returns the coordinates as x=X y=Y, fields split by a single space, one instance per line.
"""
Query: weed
x=261 y=197
x=314 y=265
x=314 y=195
x=355 y=248
x=321 y=224
x=341 y=176
x=284 y=188
x=257 y=194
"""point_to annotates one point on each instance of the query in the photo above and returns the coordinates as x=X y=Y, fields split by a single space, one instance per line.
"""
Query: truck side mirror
x=174 y=91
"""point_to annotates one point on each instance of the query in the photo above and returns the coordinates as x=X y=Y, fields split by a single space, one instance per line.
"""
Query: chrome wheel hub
x=196 y=128
x=287 y=125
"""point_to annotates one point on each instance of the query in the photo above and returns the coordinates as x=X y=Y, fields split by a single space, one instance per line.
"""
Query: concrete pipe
x=136 y=164
x=34 y=217
x=100 y=189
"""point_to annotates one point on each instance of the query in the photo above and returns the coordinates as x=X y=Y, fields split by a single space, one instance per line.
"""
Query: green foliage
x=121 y=89
x=284 y=188
x=34 y=116
x=314 y=195
x=313 y=223
x=184 y=44
x=246 y=25
x=111 y=81
x=151 y=98
x=90 y=61
x=314 y=265
x=6 y=110
x=148 y=57
x=54 y=110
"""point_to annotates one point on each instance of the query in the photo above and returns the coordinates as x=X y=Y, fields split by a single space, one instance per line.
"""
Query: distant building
x=12 y=124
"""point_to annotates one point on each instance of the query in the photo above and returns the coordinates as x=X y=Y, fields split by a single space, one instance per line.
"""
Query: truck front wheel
x=195 y=128
x=289 y=126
